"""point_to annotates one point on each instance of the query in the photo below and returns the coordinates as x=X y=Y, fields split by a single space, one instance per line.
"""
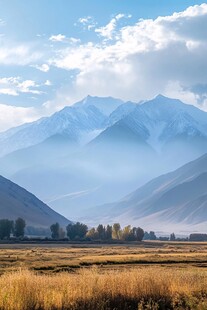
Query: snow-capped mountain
x=158 y=122
x=70 y=121
x=80 y=157
x=80 y=122
x=17 y=202
x=162 y=120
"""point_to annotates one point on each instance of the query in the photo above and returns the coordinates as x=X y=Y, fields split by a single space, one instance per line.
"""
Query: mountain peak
x=160 y=96
x=162 y=102
x=105 y=104
x=87 y=98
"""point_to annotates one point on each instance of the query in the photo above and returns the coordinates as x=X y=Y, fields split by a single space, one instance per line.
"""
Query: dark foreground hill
x=16 y=202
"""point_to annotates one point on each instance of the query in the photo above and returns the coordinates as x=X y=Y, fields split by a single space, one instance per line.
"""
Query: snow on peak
x=105 y=104
x=165 y=118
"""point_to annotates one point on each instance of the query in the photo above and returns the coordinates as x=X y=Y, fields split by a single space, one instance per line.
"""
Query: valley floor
x=148 y=275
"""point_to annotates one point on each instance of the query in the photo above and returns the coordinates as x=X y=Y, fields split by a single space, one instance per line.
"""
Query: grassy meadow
x=149 y=275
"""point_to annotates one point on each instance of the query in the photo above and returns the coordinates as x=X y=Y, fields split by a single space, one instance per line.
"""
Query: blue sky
x=54 y=52
x=27 y=18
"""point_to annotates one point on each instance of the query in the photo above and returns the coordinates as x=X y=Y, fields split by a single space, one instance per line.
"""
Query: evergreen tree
x=108 y=232
x=138 y=233
x=76 y=231
x=6 y=228
x=172 y=237
x=152 y=235
x=55 y=228
x=19 y=227
x=101 y=232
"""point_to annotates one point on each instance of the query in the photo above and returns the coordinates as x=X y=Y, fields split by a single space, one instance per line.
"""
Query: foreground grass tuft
x=92 y=289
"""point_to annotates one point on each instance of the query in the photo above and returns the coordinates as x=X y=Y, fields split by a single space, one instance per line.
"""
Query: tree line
x=8 y=227
x=79 y=231
x=75 y=231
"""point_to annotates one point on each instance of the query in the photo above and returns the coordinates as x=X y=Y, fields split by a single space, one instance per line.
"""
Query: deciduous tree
x=116 y=231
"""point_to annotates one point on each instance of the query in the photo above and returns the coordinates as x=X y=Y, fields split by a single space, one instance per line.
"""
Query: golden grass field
x=149 y=275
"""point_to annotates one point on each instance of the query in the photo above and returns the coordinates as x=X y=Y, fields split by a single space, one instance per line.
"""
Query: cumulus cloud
x=149 y=57
x=14 y=86
x=133 y=62
x=108 y=31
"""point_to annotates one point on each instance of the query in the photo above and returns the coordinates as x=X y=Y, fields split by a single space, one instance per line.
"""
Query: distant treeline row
x=77 y=231
x=80 y=232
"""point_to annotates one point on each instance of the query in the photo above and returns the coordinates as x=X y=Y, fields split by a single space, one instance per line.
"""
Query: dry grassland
x=145 y=276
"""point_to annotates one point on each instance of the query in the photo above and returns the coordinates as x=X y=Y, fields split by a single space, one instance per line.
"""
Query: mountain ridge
x=18 y=202
x=176 y=198
x=113 y=155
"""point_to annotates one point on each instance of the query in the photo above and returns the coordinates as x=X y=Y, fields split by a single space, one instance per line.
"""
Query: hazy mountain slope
x=17 y=202
x=92 y=171
x=120 y=133
x=178 y=197
x=48 y=153
x=121 y=153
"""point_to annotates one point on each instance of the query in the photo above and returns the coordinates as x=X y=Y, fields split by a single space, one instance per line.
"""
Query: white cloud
x=108 y=31
x=18 y=55
x=48 y=83
x=43 y=67
x=11 y=116
x=88 y=22
x=63 y=38
x=8 y=91
x=57 y=38
x=143 y=59
x=14 y=86
x=74 y=40
x=134 y=62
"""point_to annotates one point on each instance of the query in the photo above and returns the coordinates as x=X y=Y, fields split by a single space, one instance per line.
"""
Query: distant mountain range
x=162 y=121
x=177 y=200
x=77 y=122
x=159 y=123
x=100 y=149
x=17 y=202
